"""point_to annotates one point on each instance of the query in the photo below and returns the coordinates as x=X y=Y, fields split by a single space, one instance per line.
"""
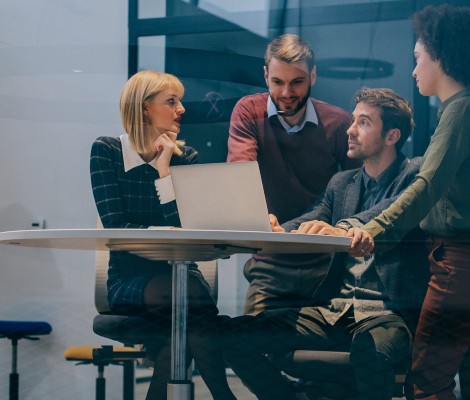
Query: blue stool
x=16 y=330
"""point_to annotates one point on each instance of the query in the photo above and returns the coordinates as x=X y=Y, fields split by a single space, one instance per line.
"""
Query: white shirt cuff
x=164 y=187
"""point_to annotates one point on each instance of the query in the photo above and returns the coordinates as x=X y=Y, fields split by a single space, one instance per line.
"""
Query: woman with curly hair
x=439 y=200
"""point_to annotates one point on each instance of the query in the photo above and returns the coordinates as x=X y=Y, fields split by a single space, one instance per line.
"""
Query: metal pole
x=180 y=388
x=14 y=376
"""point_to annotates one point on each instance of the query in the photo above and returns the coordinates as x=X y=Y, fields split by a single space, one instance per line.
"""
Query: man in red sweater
x=299 y=143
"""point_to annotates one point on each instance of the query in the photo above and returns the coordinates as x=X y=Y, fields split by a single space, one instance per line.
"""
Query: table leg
x=180 y=388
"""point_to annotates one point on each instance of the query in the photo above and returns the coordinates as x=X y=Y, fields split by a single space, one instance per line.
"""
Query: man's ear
x=393 y=136
x=266 y=75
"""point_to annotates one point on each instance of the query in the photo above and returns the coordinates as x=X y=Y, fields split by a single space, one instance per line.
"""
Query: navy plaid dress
x=129 y=200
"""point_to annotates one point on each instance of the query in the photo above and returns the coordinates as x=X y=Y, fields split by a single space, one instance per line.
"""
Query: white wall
x=62 y=66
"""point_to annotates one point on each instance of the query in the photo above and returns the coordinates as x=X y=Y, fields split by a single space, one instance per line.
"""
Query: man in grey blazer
x=369 y=305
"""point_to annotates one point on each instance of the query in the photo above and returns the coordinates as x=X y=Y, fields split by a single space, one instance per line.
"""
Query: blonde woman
x=132 y=189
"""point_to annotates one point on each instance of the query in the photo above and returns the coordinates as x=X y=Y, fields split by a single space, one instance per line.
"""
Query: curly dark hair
x=444 y=32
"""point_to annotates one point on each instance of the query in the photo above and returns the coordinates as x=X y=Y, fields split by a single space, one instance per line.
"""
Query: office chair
x=15 y=331
x=330 y=374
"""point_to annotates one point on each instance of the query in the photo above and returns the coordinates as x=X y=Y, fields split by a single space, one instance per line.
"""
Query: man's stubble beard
x=299 y=107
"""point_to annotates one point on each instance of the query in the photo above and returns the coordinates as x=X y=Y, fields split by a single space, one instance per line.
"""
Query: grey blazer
x=404 y=270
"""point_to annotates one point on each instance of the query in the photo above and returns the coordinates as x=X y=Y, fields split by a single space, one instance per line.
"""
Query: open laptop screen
x=221 y=196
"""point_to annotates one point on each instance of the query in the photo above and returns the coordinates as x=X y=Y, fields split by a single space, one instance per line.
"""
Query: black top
x=129 y=199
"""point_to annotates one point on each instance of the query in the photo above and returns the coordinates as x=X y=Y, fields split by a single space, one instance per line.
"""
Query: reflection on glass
x=251 y=15
x=219 y=54
x=152 y=52
x=151 y=8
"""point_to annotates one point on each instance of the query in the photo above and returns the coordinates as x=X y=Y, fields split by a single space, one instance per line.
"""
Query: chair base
x=180 y=390
x=104 y=356
x=14 y=386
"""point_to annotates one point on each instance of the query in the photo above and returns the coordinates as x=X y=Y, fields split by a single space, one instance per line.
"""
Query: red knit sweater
x=295 y=169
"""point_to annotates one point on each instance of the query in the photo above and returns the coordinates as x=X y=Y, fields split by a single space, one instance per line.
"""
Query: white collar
x=132 y=159
x=310 y=116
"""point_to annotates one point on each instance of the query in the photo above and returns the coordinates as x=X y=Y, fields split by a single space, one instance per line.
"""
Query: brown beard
x=299 y=107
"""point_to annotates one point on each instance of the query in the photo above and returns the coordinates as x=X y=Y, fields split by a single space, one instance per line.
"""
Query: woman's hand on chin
x=164 y=146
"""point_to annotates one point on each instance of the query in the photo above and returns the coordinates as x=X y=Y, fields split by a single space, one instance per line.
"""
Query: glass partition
x=217 y=47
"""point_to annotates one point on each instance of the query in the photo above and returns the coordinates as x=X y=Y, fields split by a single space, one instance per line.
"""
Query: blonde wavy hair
x=138 y=90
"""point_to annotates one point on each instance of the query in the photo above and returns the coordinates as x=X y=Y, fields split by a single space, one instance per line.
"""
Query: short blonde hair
x=290 y=49
x=137 y=91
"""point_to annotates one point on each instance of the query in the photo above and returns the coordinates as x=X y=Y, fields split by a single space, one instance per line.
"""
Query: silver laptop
x=221 y=196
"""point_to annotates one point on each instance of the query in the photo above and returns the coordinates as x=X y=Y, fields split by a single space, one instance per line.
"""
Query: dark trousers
x=376 y=344
x=443 y=333
x=274 y=286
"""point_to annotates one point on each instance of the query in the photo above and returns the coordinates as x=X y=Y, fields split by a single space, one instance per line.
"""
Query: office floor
x=200 y=389
x=202 y=393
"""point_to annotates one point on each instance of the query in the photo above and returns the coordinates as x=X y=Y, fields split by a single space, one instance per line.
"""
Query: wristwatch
x=344 y=225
